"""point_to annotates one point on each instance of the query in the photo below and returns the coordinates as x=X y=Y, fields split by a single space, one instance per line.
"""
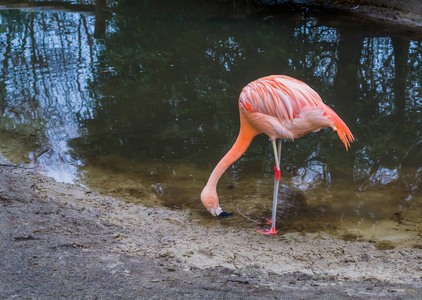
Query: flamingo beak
x=218 y=212
x=225 y=214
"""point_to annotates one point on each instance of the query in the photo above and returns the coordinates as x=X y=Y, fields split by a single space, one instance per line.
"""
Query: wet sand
x=65 y=241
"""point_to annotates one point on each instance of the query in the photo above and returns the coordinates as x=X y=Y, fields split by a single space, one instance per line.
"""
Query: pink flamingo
x=283 y=108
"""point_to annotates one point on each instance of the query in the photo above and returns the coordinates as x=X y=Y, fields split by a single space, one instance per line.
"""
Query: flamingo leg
x=277 y=157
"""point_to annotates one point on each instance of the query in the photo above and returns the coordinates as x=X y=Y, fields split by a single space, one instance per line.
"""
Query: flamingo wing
x=284 y=107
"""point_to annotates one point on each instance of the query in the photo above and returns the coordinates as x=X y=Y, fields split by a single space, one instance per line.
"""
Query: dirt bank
x=65 y=241
x=397 y=12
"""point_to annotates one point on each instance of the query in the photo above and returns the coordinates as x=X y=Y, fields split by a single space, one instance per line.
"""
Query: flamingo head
x=209 y=199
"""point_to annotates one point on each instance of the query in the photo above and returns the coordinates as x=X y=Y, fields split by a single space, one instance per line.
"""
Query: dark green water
x=145 y=111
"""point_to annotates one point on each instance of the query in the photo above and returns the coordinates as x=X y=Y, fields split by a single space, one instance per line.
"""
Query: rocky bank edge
x=404 y=13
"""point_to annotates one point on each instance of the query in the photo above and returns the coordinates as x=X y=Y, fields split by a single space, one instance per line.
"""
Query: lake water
x=146 y=109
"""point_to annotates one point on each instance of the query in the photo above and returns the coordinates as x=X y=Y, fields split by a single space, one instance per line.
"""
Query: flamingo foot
x=266 y=231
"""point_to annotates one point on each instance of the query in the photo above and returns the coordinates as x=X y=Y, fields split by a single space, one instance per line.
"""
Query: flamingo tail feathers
x=343 y=131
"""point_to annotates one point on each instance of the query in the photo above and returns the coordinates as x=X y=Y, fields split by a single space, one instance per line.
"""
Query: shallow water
x=145 y=111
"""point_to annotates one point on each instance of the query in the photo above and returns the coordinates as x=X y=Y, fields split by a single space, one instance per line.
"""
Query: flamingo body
x=283 y=108
x=286 y=108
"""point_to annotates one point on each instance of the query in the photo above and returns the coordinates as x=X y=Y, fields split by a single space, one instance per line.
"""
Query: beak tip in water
x=225 y=214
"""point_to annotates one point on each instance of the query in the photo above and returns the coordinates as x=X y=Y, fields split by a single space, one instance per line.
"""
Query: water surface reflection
x=147 y=111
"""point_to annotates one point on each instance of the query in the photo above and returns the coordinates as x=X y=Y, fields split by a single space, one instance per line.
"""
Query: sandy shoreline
x=62 y=240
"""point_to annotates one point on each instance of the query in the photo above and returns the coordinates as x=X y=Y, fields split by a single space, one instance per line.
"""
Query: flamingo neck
x=245 y=137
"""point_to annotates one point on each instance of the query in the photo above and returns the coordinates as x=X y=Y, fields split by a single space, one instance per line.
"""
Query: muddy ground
x=62 y=241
